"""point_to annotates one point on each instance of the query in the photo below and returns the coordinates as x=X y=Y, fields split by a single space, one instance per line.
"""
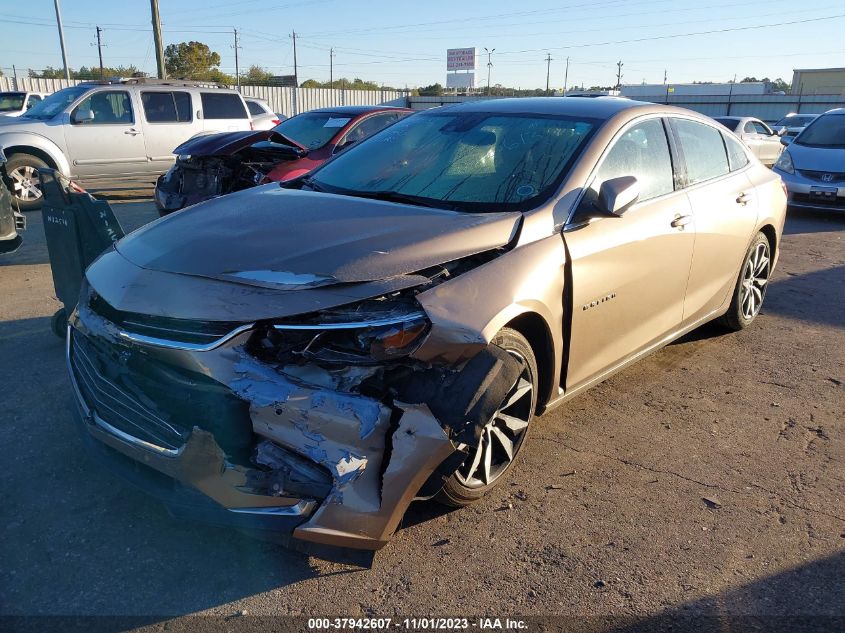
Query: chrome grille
x=114 y=403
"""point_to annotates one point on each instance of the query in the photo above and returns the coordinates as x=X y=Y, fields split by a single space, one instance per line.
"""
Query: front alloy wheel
x=504 y=434
x=22 y=172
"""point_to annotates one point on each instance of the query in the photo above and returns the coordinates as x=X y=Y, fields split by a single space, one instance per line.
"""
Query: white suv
x=113 y=129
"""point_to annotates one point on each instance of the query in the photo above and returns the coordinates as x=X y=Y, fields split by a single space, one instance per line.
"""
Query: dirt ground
x=705 y=481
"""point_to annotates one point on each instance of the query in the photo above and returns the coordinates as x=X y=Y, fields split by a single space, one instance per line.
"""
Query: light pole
x=566 y=77
x=62 y=39
x=548 y=70
x=489 y=66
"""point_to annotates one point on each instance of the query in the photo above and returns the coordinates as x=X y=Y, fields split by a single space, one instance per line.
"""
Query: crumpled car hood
x=289 y=240
x=228 y=143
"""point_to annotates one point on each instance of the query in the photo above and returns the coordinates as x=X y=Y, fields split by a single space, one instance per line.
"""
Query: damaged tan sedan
x=309 y=358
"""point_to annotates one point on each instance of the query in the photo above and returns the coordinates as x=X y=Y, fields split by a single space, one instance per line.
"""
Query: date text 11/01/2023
x=418 y=624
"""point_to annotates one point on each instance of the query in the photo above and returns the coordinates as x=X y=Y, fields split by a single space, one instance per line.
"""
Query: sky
x=404 y=43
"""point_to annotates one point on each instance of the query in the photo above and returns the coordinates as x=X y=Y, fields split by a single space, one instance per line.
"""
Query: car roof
x=835 y=111
x=590 y=107
x=357 y=109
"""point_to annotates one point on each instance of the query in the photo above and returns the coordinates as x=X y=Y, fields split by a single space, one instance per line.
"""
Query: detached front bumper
x=808 y=193
x=167 y=201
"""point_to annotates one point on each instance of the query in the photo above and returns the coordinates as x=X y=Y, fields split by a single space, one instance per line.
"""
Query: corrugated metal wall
x=287 y=101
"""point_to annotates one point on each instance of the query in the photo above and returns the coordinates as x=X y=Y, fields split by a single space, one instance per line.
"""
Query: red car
x=216 y=164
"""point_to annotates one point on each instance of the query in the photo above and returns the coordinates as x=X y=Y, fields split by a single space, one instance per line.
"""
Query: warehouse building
x=818 y=81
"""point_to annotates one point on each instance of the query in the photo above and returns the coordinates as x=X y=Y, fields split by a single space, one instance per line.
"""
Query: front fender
x=468 y=311
x=14 y=142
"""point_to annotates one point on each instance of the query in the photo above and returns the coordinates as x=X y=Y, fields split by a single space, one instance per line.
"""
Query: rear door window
x=703 y=150
x=736 y=154
x=223 y=105
x=167 y=107
x=255 y=108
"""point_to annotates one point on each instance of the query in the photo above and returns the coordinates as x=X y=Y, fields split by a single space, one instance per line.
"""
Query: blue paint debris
x=365 y=411
x=311 y=435
x=318 y=400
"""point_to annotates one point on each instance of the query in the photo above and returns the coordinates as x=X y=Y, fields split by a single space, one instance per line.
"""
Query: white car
x=15 y=103
x=759 y=137
x=263 y=118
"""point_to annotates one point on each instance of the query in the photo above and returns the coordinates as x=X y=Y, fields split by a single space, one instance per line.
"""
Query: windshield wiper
x=309 y=182
x=396 y=196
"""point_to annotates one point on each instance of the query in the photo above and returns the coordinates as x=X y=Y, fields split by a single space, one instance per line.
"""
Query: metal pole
x=331 y=68
x=62 y=38
x=566 y=77
x=489 y=66
x=548 y=69
x=100 y=52
x=295 y=73
x=237 y=67
x=619 y=65
x=162 y=71
x=15 y=74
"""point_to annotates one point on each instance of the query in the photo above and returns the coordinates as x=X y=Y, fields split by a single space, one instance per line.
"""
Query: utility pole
x=15 y=74
x=566 y=77
x=548 y=69
x=331 y=68
x=489 y=66
x=237 y=66
x=100 y=51
x=62 y=38
x=162 y=72
x=666 y=85
x=619 y=65
x=295 y=74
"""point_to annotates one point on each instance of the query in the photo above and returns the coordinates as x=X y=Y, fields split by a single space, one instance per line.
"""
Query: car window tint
x=33 y=99
x=255 y=108
x=163 y=107
x=222 y=105
x=704 y=150
x=749 y=128
x=736 y=153
x=111 y=107
x=642 y=152
x=369 y=126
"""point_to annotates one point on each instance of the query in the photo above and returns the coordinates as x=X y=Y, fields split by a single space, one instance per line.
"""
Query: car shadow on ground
x=816 y=297
x=809 y=598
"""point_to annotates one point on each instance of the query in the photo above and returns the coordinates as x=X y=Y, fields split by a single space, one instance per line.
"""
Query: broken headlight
x=377 y=337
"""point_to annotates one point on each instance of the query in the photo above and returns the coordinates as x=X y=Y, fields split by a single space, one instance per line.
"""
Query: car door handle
x=681 y=221
x=744 y=198
x=131 y=131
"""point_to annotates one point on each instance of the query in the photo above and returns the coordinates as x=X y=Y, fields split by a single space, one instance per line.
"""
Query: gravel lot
x=706 y=480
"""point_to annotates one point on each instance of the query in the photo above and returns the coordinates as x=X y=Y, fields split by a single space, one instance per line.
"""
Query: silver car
x=113 y=129
x=263 y=118
x=813 y=165
x=793 y=124
x=759 y=137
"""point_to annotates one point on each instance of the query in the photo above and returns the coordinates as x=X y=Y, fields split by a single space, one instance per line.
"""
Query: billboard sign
x=460 y=59
x=460 y=80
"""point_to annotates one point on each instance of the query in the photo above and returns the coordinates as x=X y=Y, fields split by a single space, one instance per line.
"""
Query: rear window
x=223 y=105
x=167 y=107
x=255 y=108
x=704 y=150
x=11 y=101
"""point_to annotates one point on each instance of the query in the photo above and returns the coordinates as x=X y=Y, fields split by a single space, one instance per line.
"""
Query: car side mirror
x=83 y=116
x=781 y=131
x=786 y=140
x=617 y=195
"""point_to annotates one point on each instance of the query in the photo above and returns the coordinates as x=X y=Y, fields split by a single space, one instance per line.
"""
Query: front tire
x=751 y=285
x=503 y=436
x=22 y=172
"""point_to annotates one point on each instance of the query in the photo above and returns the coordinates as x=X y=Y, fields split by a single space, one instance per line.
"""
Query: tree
x=434 y=90
x=86 y=73
x=256 y=75
x=191 y=60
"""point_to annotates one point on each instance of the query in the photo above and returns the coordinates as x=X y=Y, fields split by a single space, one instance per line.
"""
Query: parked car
x=813 y=164
x=215 y=165
x=15 y=103
x=763 y=141
x=314 y=356
x=12 y=222
x=263 y=118
x=113 y=129
x=792 y=124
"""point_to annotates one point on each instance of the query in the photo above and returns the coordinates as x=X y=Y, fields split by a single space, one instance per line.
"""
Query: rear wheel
x=751 y=285
x=22 y=171
x=503 y=436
